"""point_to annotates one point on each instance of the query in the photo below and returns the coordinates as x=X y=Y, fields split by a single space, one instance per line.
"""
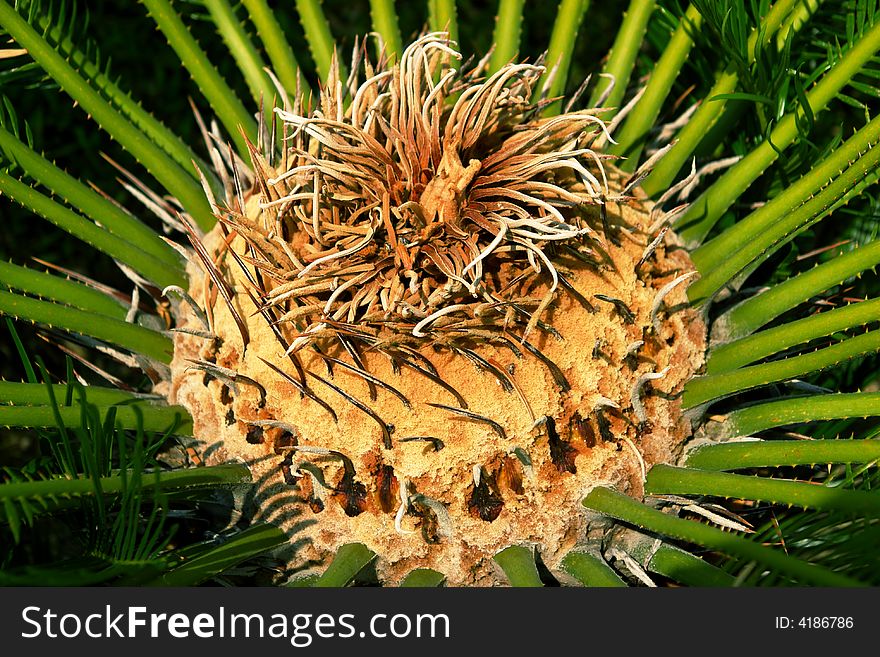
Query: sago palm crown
x=406 y=313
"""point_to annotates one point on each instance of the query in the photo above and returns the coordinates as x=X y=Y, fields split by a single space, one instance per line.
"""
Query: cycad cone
x=452 y=505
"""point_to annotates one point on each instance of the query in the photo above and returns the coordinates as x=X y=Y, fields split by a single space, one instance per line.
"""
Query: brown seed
x=485 y=501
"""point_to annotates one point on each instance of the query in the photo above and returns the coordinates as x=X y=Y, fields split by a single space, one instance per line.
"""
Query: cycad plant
x=463 y=309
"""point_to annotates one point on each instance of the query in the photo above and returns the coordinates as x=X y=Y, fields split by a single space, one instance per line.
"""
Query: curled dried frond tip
x=412 y=207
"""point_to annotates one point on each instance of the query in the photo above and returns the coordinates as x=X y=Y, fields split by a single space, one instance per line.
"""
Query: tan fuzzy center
x=438 y=321
x=453 y=490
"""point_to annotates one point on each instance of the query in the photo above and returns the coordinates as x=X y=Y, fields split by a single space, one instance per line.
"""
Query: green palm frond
x=160 y=165
x=61 y=27
x=96 y=468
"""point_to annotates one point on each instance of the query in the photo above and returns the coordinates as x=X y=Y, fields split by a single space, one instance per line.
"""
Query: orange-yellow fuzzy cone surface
x=434 y=342
x=536 y=504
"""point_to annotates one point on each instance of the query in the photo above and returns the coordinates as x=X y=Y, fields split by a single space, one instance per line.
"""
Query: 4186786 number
x=815 y=622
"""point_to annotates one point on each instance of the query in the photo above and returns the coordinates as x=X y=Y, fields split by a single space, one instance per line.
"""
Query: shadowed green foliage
x=104 y=482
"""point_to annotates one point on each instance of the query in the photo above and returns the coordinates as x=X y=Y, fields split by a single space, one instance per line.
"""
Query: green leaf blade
x=506 y=37
x=775 y=453
x=247 y=544
x=443 y=17
x=622 y=58
x=702 y=215
x=716 y=386
x=284 y=63
x=794 y=410
x=60 y=290
x=318 y=36
x=562 y=40
x=633 y=133
x=671 y=480
x=123 y=334
x=350 y=560
x=229 y=109
x=518 y=564
x=243 y=51
x=385 y=22
x=766 y=306
x=90 y=233
x=626 y=509
x=155 y=160
x=764 y=231
x=591 y=570
x=423 y=578
x=730 y=355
